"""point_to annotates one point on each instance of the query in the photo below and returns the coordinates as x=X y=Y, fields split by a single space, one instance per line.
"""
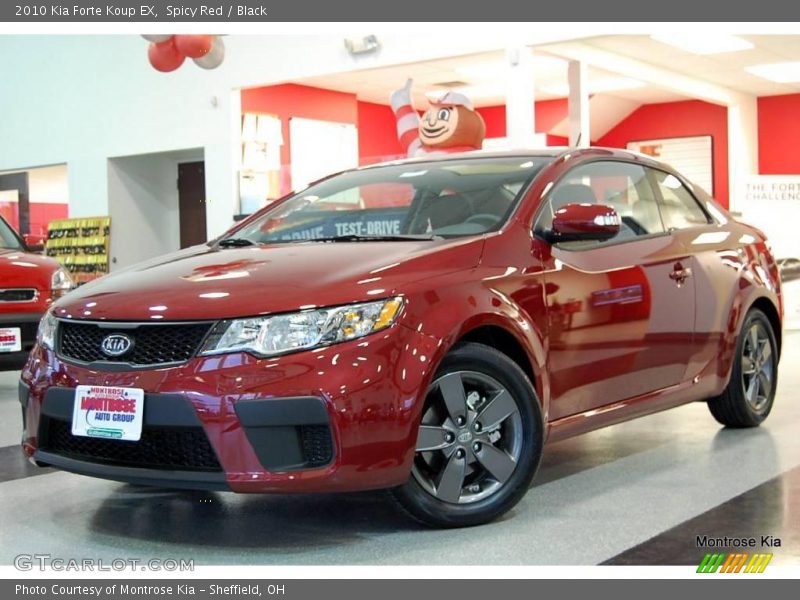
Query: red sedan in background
x=29 y=283
x=424 y=325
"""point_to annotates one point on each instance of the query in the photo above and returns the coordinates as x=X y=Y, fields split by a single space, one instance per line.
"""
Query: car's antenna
x=578 y=141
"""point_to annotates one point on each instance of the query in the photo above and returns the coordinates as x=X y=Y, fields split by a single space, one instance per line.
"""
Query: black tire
x=735 y=407
x=523 y=430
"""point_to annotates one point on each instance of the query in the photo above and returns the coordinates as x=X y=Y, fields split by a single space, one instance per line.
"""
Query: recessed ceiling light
x=705 y=44
x=783 y=72
x=596 y=86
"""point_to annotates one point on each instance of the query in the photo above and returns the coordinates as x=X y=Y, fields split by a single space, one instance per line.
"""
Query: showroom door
x=192 y=203
x=619 y=324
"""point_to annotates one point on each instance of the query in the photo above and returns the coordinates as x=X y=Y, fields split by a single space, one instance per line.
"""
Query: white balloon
x=214 y=57
x=156 y=38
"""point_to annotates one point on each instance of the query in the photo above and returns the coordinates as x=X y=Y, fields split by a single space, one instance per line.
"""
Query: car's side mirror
x=34 y=242
x=584 y=222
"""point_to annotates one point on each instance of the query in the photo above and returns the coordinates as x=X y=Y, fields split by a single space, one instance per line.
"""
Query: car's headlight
x=279 y=334
x=60 y=283
x=46 y=336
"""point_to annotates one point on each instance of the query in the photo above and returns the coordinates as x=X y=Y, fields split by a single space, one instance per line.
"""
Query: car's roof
x=548 y=152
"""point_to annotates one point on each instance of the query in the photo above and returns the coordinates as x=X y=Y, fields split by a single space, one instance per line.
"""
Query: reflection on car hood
x=211 y=283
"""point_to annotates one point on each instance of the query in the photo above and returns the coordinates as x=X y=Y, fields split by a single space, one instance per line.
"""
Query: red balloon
x=165 y=56
x=194 y=46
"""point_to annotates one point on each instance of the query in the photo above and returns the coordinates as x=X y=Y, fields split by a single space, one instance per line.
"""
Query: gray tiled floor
x=595 y=497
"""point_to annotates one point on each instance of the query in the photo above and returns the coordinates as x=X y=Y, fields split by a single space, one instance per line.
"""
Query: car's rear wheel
x=479 y=442
x=750 y=394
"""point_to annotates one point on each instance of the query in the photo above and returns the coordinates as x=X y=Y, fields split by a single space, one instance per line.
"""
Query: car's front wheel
x=748 y=399
x=479 y=442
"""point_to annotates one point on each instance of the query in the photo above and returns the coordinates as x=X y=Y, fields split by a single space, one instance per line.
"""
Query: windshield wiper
x=377 y=238
x=235 y=243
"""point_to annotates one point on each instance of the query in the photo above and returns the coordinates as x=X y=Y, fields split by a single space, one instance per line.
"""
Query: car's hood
x=20 y=269
x=212 y=283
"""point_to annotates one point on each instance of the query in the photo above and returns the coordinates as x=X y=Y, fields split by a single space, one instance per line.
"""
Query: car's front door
x=620 y=312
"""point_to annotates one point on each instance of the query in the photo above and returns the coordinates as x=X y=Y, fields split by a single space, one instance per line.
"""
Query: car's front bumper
x=334 y=419
x=28 y=323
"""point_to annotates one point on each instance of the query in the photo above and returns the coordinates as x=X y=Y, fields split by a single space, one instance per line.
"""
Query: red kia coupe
x=423 y=326
x=29 y=283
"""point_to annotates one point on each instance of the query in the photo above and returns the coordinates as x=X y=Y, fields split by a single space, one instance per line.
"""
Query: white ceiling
x=726 y=69
x=482 y=71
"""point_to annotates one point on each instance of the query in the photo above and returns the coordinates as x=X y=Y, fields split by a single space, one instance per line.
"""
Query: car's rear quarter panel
x=733 y=269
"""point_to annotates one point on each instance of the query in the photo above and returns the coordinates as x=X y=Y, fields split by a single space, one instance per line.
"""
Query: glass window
x=446 y=198
x=679 y=209
x=8 y=240
x=622 y=186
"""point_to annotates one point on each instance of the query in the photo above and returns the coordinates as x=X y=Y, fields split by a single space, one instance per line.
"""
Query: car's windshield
x=8 y=240
x=443 y=198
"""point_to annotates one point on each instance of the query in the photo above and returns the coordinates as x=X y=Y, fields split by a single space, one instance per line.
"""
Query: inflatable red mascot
x=450 y=124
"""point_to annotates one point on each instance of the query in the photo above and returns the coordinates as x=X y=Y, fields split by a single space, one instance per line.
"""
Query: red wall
x=39 y=215
x=778 y=134
x=679 y=119
x=377 y=134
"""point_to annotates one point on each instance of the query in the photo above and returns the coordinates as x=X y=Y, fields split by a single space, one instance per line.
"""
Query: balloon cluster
x=167 y=52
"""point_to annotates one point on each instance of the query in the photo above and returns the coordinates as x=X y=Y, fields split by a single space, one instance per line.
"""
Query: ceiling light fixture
x=362 y=45
x=783 y=72
x=705 y=44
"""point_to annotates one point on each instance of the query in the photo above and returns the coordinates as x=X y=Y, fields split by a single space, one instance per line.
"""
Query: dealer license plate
x=10 y=339
x=108 y=412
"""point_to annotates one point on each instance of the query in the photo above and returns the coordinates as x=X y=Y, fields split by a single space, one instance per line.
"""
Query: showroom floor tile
x=596 y=497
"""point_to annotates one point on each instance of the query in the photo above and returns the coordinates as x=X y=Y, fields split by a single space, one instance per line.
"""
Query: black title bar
x=154 y=11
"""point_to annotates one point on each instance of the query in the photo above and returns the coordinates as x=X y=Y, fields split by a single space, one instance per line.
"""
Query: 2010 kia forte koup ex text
x=423 y=326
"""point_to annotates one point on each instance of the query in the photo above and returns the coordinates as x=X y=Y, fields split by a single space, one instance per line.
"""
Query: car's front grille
x=152 y=344
x=177 y=448
x=18 y=295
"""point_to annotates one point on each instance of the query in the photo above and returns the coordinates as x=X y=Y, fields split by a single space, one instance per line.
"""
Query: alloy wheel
x=470 y=438
x=758 y=367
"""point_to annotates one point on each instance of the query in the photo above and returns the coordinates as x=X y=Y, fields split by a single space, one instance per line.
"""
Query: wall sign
x=772 y=203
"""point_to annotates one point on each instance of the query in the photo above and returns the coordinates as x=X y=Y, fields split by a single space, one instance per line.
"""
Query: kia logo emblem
x=116 y=344
x=464 y=437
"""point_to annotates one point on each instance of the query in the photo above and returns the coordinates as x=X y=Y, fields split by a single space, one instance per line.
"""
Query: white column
x=579 y=132
x=223 y=152
x=520 y=97
x=742 y=146
x=87 y=178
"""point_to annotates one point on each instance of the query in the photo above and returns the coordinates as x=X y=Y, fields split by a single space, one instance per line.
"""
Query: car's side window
x=622 y=186
x=679 y=209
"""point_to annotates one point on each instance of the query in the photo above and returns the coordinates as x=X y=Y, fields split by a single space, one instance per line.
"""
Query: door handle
x=680 y=273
